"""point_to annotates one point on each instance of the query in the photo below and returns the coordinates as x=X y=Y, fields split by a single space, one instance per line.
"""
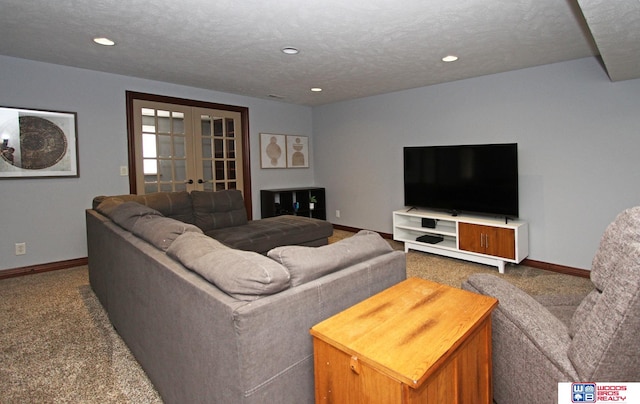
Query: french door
x=187 y=146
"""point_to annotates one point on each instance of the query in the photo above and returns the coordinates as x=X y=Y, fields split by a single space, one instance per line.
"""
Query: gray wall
x=577 y=133
x=48 y=214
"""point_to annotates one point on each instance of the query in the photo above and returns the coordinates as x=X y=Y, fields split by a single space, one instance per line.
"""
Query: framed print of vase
x=37 y=143
x=273 y=151
x=297 y=151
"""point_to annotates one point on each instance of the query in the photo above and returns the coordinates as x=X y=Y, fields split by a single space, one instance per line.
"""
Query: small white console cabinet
x=479 y=239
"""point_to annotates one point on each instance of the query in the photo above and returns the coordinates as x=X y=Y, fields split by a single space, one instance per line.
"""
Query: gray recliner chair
x=534 y=349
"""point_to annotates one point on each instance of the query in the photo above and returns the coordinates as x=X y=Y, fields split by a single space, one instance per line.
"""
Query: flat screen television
x=467 y=178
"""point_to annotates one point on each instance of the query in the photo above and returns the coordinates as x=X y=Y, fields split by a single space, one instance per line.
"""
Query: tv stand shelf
x=484 y=240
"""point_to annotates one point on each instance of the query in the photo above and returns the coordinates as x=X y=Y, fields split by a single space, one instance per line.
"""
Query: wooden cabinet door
x=340 y=378
x=471 y=237
x=501 y=242
x=495 y=241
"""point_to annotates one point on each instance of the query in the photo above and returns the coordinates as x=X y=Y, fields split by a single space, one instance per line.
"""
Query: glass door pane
x=218 y=150
x=185 y=148
x=162 y=149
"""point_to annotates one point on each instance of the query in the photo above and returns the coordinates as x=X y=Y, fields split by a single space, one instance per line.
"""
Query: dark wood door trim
x=244 y=116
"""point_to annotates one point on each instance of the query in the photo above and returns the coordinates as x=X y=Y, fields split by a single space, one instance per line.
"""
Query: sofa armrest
x=532 y=319
x=529 y=344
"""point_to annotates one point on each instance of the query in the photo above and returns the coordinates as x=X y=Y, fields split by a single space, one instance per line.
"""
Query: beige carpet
x=57 y=345
x=453 y=272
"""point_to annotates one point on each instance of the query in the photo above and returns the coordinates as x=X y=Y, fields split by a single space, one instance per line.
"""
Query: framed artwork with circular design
x=273 y=151
x=38 y=143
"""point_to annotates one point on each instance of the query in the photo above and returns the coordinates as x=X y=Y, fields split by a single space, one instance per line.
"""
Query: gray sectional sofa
x=214 y=324
x=222 y=215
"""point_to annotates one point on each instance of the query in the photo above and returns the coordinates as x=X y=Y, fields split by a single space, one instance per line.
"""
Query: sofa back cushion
x=308 y=263
x=107 y=205
x=162 y=231
x=217 y=210
x=606 y=325
x=176 y=205
x=145 y=222
x=619 y=238
x=189 y=247
x=126 y=214
x=244 y=275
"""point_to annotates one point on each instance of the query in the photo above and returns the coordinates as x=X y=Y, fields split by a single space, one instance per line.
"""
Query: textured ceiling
x=350 y=49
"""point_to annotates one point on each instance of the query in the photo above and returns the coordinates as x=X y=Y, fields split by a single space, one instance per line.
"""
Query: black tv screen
x=470 y=178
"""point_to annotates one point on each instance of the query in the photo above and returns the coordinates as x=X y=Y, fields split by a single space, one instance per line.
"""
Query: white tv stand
x=488 y=241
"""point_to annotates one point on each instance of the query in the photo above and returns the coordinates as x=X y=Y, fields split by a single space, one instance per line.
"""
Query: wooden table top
x=407 y=330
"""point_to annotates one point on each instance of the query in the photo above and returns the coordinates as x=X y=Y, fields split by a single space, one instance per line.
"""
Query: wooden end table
x=416 y=342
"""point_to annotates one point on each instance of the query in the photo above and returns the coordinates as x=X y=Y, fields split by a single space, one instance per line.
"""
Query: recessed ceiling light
x=104 y=41
x=316 y=89
x=449 y=58
x=290 y=50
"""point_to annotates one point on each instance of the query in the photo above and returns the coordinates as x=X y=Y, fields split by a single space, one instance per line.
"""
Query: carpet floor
x=453 y=272
x=58 y=346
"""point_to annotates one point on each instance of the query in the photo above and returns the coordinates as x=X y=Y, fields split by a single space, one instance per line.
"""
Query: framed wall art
x=38 y=143
x=297 y=151
x=273 y=151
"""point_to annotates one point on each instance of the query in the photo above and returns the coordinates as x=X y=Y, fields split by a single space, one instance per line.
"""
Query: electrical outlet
x=337 y=213
x=21 y=248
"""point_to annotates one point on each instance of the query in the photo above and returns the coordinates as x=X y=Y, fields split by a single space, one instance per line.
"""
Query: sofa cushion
x=217 y=210
x=190 y=246
x=127 y=214
x=582 y=311
x=614 y=244
x=562 y=306
x=245 y=275
x=617 y=242
x=606 y=325
x=308 y=263
x=161 y=231
x=265 y=234
x=176 y=205
x=107 y=206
